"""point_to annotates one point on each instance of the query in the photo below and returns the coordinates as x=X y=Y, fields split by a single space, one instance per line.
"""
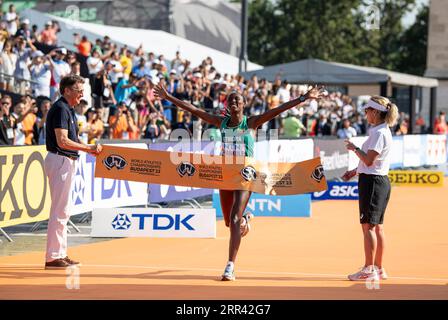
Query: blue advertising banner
x=338 y=191
x=273 y=206
x=167 y=193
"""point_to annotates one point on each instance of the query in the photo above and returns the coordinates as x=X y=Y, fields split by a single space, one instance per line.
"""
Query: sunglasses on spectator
x=77 y=90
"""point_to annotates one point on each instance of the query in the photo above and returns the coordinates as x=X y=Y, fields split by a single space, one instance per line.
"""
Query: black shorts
x=374 y=194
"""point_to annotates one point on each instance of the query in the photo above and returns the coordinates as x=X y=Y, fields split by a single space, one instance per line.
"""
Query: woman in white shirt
x=8 y=61
x=373 y=184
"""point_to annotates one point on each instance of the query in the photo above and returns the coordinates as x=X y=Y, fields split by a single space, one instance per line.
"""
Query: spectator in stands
x=60 y=69
x=186 y=123
x=116 y=73
x=40 y=70
x=94 y=64
x=163 y=63
x=106 y=44
x=151 y=59
x=81 y=120
x=126 y=62
x=45 y=105
x=96 y=124
x=402 y=126
x=176 y=63
x=34 y=34
x=292 y=126
x=22 y=73
x=323 y=126
x=29 y=119
x=347 y=131
x=141 y=70
x=4 y=35
x=126 y=87
x=83 y=44
x=98 y=46
x=360 y=125
x=48 y=35
x=440 y=124
x=119 y=123
x=151 y=129
x=12 y=19
x=138 y=54
x=8 y=60
x=7 y=122
x=18 y=115
x=24 y=30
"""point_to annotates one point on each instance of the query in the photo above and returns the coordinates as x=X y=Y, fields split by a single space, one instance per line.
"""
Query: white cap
x=48 y=23
x=197 y=75
x=62 y=50
x=156 y=61
x=374 y=105
x=26 y=21
x=154 y=80
x=173 y=71
x=37 y=53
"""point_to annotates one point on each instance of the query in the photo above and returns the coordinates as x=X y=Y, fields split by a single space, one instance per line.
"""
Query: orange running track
x=281 y=258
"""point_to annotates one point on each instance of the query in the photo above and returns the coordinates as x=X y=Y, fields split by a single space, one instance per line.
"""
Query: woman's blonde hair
x=391 y=116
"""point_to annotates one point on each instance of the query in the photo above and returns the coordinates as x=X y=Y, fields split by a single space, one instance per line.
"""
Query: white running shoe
x=245 y=225
x=382 y=274
x=229 y=273
x=365 y=274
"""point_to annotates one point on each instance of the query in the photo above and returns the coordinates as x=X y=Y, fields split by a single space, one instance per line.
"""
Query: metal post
x=73 y=226
x=432 y=109
x=244 y=30
x=6 y=235
x=412 y=108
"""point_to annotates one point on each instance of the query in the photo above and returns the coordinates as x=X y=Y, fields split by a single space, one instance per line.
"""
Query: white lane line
x=327 y=275
x=70 y=235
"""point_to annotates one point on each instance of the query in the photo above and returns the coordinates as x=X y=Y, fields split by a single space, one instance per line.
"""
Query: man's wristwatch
x=302 y=98
x=357 y=149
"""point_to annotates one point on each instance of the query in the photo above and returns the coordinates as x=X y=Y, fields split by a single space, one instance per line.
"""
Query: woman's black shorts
x=374 y=194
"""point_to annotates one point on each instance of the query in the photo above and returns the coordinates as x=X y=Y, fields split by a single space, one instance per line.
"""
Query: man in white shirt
x=60 y=69
x=11 y=20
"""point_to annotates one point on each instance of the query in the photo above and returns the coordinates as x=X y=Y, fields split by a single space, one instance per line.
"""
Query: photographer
x=121 y=123
x=40 y=70
x=7 y=122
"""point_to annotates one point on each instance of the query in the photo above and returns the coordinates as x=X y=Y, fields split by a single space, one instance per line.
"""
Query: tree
x=414 y=45
x=334 y=30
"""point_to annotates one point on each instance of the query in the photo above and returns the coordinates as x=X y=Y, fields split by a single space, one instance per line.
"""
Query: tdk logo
x=163 y=221
x=121 y=222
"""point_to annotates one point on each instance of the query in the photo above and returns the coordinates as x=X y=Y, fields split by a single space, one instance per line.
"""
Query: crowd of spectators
x=119 y=102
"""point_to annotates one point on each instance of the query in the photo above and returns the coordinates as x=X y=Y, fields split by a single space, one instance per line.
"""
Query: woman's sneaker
x=382 y=274
x=245 y=226
x=365 y=274
x=229 y=273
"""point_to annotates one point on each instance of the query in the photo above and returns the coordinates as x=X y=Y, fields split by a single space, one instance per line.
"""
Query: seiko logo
x=249 y=173
x=114 y=161
x=186 y=168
